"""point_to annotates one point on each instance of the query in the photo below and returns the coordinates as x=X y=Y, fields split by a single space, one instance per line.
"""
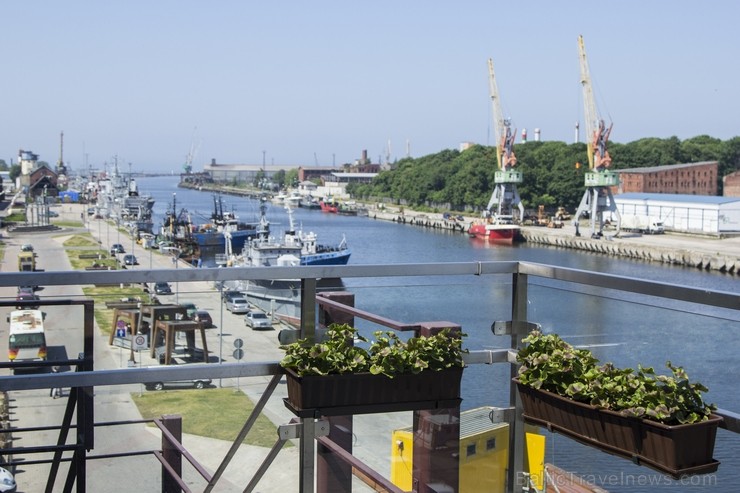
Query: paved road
x=64 y=333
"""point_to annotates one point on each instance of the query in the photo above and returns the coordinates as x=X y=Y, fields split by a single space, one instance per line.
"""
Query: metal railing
x=521 y=274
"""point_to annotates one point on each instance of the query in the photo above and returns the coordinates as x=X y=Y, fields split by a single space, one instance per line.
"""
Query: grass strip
x=213 y=413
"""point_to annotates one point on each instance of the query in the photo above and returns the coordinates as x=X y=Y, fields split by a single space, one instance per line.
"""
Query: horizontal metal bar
x=720 y=299
x=387 y=322
x=731 y=420
x=141 y=276
x=126 y=376
x=486 y=356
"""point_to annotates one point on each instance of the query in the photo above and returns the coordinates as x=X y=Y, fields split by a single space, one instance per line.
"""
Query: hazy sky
x=300 y=82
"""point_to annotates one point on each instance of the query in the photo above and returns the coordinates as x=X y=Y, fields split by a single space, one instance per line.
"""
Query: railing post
x=170 y=454
x=436 y=463
x=308 y=309
x=516 y=432
x=332 y=474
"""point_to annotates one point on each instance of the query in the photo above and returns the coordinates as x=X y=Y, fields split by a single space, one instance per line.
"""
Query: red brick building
x=690 y=179
x=731 y=185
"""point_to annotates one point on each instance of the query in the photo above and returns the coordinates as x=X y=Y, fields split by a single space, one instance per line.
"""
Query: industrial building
x=697 y=214
x=690 y=178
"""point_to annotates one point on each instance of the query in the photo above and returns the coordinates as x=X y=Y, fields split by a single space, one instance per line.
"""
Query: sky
x=148 y=83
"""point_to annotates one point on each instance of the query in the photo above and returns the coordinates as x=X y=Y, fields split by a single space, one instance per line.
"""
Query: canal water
x=624 y=329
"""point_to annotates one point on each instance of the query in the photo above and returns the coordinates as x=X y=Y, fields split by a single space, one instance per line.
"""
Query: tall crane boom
x=505 y=157
x=596 y=131
x=597 y=199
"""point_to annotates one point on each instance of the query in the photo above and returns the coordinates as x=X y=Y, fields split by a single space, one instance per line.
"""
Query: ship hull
x=216 y=239
x=504 y=234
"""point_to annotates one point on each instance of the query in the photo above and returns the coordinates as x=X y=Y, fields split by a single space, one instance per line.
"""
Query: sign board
x=238 y=353
x=140 y=342
x=238 y=343
x=121 y=331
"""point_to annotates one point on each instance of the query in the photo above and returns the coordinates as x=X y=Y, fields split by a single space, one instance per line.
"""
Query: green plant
x=551 y=364
x=388 y=355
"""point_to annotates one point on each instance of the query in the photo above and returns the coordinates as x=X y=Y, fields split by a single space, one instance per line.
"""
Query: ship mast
x=599 y=181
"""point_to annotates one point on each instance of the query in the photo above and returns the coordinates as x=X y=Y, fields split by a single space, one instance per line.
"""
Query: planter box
x=680 y=450
x=365 y=393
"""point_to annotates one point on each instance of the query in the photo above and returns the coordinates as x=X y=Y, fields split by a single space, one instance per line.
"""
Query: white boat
x=282 y=296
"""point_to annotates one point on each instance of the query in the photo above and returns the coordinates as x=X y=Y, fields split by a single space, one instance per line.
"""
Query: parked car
x=198 y=383
x=130 y=259
x=116 y=248
x=237 y=305
x=190 y=308
x=26 y=247
x=227 y=296
x=204 y=317
x=162 y=288
x=7 y=481
x=257 y=319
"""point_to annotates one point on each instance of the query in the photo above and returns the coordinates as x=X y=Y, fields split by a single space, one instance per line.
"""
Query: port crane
x=188 y=166
x=598 y=198
x=505 y=196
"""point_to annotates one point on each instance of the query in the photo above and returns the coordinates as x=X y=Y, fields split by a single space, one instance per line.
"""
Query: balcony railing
x=515 y=282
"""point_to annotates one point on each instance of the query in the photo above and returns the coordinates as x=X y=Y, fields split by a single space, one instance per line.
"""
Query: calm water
x=624 y=333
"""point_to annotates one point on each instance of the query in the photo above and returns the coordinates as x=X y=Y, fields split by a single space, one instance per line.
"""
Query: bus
x=26 y=336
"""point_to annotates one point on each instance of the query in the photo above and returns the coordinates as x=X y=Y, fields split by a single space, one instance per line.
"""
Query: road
x=64 y=337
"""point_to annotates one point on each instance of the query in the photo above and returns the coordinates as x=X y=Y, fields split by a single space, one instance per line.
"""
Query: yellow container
x=484 y=454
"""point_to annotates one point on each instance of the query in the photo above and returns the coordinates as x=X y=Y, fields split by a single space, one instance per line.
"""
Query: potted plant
x=660 y=421
x=337 y=377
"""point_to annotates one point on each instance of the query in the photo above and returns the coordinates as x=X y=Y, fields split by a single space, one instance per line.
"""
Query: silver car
x=237 y=305
x=257 y=320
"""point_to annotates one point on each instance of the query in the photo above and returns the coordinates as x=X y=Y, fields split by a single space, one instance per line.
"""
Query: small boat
x=329 y=204
x=310 y=202
x=294 y=199
x=212 y=235
x=495 y=229
x=347 y=208
x=282 y=297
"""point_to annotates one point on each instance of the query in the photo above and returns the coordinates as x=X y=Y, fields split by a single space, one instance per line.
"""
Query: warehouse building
x=697 y=214
x=690 y=178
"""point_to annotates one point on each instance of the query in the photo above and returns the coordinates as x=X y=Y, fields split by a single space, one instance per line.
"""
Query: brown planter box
x=365 y=393
x=680 y=450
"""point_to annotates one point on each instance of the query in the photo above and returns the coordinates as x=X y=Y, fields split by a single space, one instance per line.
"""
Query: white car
x=257 y=320
x=7 y=481
x=237 y=305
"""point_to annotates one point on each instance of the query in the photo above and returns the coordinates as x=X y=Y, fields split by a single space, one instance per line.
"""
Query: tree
x=3 y=165
x=278 y=178
x=15 y=171
x=291 y=177
x=259 y=178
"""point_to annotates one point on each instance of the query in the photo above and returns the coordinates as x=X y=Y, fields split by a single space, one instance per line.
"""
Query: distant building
x=243 y=173
x=731 y=185
x=28 y=161
x=698 y=214
x=42 y=182
x=248 y=173
x=691 y=179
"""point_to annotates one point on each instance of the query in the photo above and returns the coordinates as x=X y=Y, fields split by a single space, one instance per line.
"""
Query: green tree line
x=464 y=180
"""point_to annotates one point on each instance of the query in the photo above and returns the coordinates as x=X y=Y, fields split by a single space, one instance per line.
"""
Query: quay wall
x=668 y=254
x=665 y=248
